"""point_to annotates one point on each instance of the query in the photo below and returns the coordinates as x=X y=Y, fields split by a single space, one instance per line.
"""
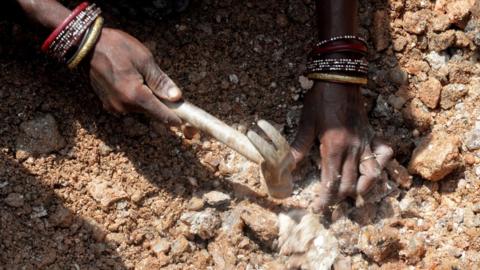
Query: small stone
x=381 y=33
x=437 y=60
x=442 y=41
x=469 y=159
x=282 y=20
x=204 y=224
x=216 y=198
x=477 y=170
x=399 y=174
x=379 y=244
x=190 y=132
x=233 y=78
x=160 y=245
x=179 y=246
x=262 y=222
x=62 y=217
x=106 y=193
x=305 y=83
x=451 y=93
x=152 y=263
x=417 y=67
x=470 y=219
x=14 y=200
x=458 y=10
x=399 y=43
x=435 y=157
x=39 y=136
x=440 y=22
x=472 y=139
x=118 y=238
x=396 y=101
x=415 y=22
x=414 y=250
x=223 y=254
x=462 y=40
x=195 y=204
x=398 y=76
x=104 y=149
x=429 y=92
x=417 y=114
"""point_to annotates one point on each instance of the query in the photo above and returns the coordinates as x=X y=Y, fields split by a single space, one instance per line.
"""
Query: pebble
x=233 y=78
x=105 y=192
x=3 y=184
x=415 y=22
x=414 y=250
x=379 y=244
x=39 y=136
x=38 y=212
x=160 y=245
x=436 y=156
x=417 y=114
x=195 y=204
x=204 y=224
x=399 y=43
x=179 y=246
x=399 y=174
x=451 y=93
x=62 y=217
x=216 y=198
x=15 y=200
x=437 y=60
x=477 y=170
x=398 y=76
x=104 y=149
x=442 y=41
x=440 y=22
x=472 y=139
x=396 y=101
x=429 y=92
x=262 y=222
x=305 y=83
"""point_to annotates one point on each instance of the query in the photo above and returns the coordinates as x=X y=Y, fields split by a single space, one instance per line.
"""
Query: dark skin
x=334 y=113
x=126 y=77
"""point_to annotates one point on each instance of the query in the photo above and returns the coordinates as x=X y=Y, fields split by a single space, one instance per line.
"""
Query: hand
x=351 y=158
x=126 y=77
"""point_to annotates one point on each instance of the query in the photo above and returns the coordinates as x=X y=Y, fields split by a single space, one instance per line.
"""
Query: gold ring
x=368 y=158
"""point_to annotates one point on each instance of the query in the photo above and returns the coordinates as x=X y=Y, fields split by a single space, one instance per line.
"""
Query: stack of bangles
x=76 y=36
x=340 y=59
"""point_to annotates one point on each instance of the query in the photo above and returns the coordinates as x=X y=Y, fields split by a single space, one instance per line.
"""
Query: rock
x=398 y=76
x=62 y=217
x=415 y=22
x=216 y=198
x=472 y=139
x=150 y=262
x=417 y=114
x=195 y=204
x=470 y=219
x=458 y=10
x=179 y=246
x=414 y=250
x=381 y=108
x=104 y=149
x=429 y=92
x=435 y=157
x=440 y=22
x=105 y=192
x=399 y=43
x=223 y=254
x=379 y=244
x=442 y=41
x=233 y=78
x=160 y=245
x=118 y=238
x=462 y=40
x=451 y=93
x=381 y=33
x=399 y=174
x=262 y=222
x=39 y=136
x=396 y=101
x=204 y=224
x=416 y=67
x=15 y=200
x=437 y=60
x=305 y=83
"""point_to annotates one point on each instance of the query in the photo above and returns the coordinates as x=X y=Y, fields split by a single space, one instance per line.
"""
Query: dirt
x=114 y=192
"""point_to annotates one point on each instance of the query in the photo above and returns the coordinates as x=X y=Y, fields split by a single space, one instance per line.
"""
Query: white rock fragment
x=233 y=78
x=305 y=83
x=216 y=198
x=106 y=193
x=203 y=224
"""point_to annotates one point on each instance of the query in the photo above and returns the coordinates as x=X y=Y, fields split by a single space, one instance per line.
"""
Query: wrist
x=48 y=13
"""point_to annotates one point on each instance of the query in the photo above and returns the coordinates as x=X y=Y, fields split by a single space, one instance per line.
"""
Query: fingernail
x=173 y=93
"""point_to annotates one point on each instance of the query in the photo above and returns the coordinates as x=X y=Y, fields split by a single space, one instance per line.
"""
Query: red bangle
x=46 y=44
x=360 y=48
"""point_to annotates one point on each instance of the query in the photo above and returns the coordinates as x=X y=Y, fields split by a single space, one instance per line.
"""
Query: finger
x=159 y=82
x=370 y=171
x=266 y=150
x=151 y=105
x=306 y=132
x=383 y=152
x=331 y=164
x=348 y=184
x=278 y=140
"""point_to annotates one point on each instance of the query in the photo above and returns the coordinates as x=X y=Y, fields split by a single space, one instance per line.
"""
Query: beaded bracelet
x=345 y=37
x=92 y=39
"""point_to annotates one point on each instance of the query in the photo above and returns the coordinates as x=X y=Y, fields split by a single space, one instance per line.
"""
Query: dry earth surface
x=83 y=189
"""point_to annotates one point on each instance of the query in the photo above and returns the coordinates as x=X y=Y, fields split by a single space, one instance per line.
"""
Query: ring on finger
x=373 y=156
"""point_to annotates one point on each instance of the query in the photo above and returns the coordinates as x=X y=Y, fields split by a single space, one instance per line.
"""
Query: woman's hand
x=126 y=77
x=351 y=158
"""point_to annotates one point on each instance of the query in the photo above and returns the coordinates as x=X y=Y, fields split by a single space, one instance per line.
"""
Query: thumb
x=159 y=82
x=304 y=138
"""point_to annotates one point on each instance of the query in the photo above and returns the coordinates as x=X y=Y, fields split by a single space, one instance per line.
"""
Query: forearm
x=336 y=18
x=48 y=13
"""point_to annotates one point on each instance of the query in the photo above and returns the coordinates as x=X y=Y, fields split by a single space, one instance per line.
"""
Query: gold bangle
x=337 y=78
x=89 y=43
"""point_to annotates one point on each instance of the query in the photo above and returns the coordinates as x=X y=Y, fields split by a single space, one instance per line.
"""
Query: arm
x=334 y=113
x=123 y=72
